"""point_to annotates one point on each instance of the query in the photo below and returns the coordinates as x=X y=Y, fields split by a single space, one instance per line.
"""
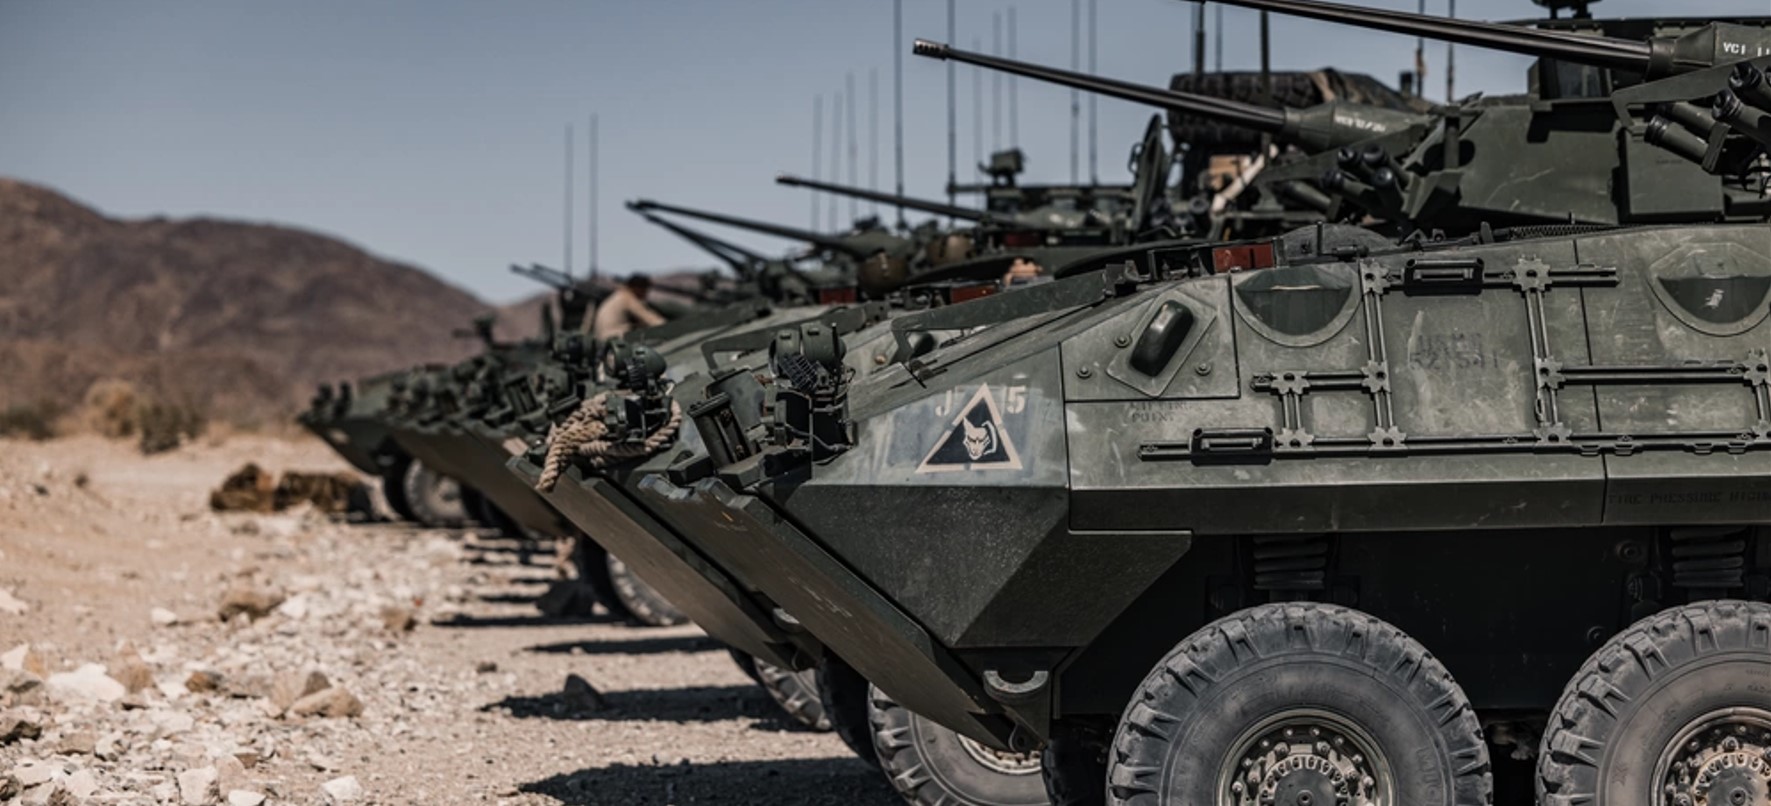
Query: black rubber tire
x=643 y=604
x=435 y=499
x=746 y=664
x=843 y=691
x=393 y=488
x=475 y=506
x=1633 y=696
x=1188 y=716
x=591 y=563
x=795 y=692
x=929 y=765
x=1074 y=763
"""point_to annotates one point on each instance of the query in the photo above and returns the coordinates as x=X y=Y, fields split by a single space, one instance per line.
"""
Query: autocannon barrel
x=1713 y=44
x=544 y=275
x=779 y=230
x=1314 y=128
x=741 y=260
x=1254 y=117
x=922 y=205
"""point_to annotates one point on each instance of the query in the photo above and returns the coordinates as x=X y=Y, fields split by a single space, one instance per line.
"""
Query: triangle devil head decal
x=974 y=440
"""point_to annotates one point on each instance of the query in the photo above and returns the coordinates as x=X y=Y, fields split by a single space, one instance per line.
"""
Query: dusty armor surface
x=349 y=419
x=1028 y=519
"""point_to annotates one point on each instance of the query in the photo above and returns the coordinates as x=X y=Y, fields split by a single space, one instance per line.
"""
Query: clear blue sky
x=432 y=132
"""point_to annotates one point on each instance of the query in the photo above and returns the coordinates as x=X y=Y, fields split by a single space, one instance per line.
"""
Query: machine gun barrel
x=1658 y=57
x=778 y=230
x=1255 y=117
x=742 y=261
x=553 y=278
x=922 y=205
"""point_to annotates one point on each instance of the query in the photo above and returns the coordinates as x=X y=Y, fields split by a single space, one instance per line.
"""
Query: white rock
x=162 y=617
x=110 y=746
x=244 y=797
x=342 y=790
x=33 y=773
x=14 y=658
x=171 y=723
x=197 y=787
x=11 y=604
x=230 y=771
x=88 y=682
x=294 y=607
x=50 y=794
x=81 y=784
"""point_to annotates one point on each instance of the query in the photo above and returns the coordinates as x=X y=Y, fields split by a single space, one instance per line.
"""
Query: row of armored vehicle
x=1461 y=493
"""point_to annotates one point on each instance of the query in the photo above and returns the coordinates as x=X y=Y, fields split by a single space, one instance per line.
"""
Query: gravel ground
x=437 y=680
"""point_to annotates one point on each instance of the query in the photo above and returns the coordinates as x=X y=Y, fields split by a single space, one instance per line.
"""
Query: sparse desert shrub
x=111 y=409
x=118 y=410
x=31 y=421
x=165 y=426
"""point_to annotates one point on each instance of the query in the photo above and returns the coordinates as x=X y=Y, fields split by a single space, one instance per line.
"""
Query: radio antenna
x=952 y=115
x=569 y=222
x=817 y=150
x=593 y=198
x=898 y=98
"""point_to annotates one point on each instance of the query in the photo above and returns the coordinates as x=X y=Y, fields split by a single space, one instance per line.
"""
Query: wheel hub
x=1001 y=761
x=1722 y=758
x=1305 y=759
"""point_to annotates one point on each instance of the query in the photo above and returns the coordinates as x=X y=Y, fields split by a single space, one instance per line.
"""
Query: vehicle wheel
x=643 y=604
x=393 y=488
x=746 y=664
x=931 y=764
x=435 y=499
x=1674 y=710
x=1299 y=703
x=795 y=692
x=843 y=691
x=1074 y=763
x=591 y=563
x=476 y=510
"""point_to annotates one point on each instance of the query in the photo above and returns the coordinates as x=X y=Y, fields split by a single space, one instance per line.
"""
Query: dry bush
x=165 y=426
x=118 y=410
x=34 y=421
x=109 y=409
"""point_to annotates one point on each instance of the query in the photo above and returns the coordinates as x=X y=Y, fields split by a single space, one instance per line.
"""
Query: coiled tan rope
x=582 y=434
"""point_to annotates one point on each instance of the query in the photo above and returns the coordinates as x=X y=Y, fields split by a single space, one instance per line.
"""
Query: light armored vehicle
x=1304 y=520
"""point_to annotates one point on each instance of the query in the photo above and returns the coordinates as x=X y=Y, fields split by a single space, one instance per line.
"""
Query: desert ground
x=159 y=652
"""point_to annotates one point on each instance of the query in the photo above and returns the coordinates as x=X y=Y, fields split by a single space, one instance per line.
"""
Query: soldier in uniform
x=625 y=309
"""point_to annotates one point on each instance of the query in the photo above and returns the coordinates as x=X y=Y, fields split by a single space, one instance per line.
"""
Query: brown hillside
x=239 y=319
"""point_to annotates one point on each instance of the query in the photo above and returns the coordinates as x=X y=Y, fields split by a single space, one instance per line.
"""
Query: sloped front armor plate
x=704 y=594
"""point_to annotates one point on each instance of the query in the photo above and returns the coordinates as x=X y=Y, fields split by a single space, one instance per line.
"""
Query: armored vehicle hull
x=1503 y=451
x=356 y=427
x=600 y=503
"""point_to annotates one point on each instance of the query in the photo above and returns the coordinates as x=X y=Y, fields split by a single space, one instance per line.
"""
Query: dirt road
x=110 y=558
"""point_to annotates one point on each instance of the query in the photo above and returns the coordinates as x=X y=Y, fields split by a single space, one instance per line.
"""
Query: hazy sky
x=433 y=132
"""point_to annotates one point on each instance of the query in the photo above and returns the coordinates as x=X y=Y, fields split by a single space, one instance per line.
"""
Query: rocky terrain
x=242 y=317
x=156 y=652
x=237 y=320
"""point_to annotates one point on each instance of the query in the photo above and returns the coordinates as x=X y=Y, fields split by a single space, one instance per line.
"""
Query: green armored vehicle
x=1313 y=519
x=348 y=419
x=642 y=425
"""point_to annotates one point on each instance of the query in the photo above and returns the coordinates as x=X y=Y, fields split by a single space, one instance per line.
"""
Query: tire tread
x=1209 y=655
